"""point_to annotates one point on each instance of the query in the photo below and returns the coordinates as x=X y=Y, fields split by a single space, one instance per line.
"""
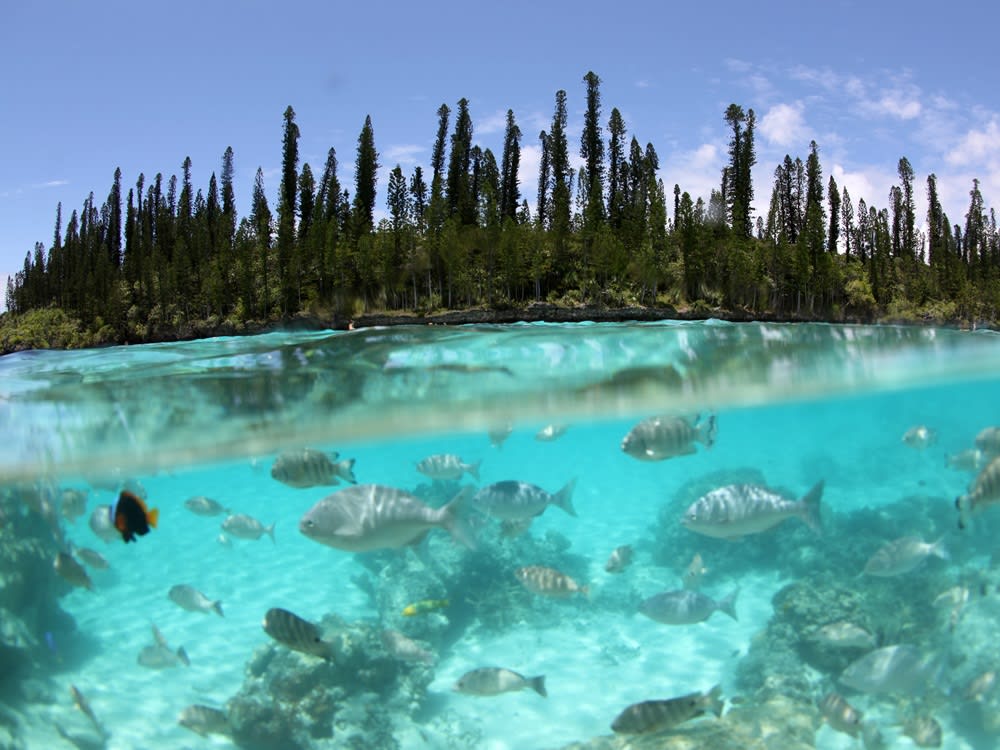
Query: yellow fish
x=424 y=606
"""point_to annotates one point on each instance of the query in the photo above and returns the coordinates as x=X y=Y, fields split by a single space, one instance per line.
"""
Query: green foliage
x=169 y=260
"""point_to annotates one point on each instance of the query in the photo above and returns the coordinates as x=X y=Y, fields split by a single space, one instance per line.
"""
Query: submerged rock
x=296 y=701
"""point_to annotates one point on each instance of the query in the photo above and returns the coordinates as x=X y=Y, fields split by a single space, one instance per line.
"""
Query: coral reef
x=291 y=700
x=32 y=624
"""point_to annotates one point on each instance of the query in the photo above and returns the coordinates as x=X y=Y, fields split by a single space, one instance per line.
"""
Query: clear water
x=795 y=404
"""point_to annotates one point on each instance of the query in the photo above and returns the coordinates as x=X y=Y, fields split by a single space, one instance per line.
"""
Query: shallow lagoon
x=795 y=404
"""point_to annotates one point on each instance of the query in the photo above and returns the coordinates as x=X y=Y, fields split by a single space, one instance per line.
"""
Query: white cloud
x=402 y=154
x=527 y=174
x=784 y=125
x=643 y=84
x=50 y=184
x=977 y=146
x=3 y=291
x=894 y=103
x=495 y=123
x=698 y=172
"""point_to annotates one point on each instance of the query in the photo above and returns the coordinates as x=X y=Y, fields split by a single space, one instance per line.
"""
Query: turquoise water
x=794 y=405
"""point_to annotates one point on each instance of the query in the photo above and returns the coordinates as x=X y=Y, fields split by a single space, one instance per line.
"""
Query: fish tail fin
x=269 y=530
x=183 y=656
x=563 y=499
x=153 y=516
x=728 y=604
x=473 y=469
x=585 y=590
x=452 y=520
x=538 y=685
x=345 y=470
x=714 y=701
x=707 y=430
x=939 y=550
x=964 y=506
x=810 y=504
x=217 y=607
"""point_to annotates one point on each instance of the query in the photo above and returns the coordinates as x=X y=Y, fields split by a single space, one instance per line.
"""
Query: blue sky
x=90 y=87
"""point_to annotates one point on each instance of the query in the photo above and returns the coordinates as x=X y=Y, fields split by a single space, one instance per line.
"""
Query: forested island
x=165 y=260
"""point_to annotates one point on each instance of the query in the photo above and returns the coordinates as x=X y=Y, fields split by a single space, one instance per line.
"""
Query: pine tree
x=909 y=209
x=561 y=171
x=737 y=180
x=459 y=190
x=544 y=176
x=365 y=177
x=847 y=219
x=287 y=206
x=833 y=235
x=260 y=219
x=592 y=152
x=617 y=175
x=815 y=215
x=510 y=194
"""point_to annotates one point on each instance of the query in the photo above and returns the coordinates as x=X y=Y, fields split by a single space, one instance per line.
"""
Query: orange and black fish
x=131 y=516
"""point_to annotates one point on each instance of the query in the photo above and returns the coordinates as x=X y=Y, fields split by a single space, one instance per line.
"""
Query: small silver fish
x=984 y=491
x=970 y=460
x=550 y=432
x=81 y=702
x=694 y=572
x=224 y=541
x=404 y=649
x=189 y=598
x=651 y=717
x=247 y=527
x=447 y=466
x=488 y=681
x=499 y=434
x=988 y=441
x=740 y=509
x=549 y=582
x=840 y=714
x=73 y=504
x=92 y=557
x=903 y=555
x=663 y=437
x=288 y=629
x=160 y=657
x=71 y=571
x=843 y=634
x=204 y=506
x=514 y=501
x=103 y=525
x=620 y=558
x=920 y=437
x=687 y=607
x=311 y=468
x=981 y=687
x=204 y=720
x=924 y=731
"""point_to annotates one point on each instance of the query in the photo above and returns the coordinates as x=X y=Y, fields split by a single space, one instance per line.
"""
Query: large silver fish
x=496 y=680
x=447 y=466
x=71 y=571
x=311 y=468
x=686 y=607
x=892 y=669
x=300 y=635
x=73 y=503
x=660 y=438
x=511 y=500
x=988 y=441
x=983 y=492
x=740 y=509
x=373 y=516
x=650 y=717
x=903 y=555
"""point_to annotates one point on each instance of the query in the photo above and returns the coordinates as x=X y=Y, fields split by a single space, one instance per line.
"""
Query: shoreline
x=539 y=312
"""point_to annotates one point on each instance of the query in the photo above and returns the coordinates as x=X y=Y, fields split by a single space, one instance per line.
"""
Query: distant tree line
x=164 y=254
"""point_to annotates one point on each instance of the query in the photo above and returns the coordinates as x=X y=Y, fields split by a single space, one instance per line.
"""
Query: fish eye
x=309 y=524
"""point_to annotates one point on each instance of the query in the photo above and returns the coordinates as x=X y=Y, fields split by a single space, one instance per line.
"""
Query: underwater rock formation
x=31 y=621
x=776 y=723
x=299 y=702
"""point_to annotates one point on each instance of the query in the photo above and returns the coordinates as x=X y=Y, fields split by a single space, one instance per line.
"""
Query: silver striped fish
x=288 y=629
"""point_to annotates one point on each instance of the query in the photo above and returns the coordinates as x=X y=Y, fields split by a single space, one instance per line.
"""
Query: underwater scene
x=659 y=535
